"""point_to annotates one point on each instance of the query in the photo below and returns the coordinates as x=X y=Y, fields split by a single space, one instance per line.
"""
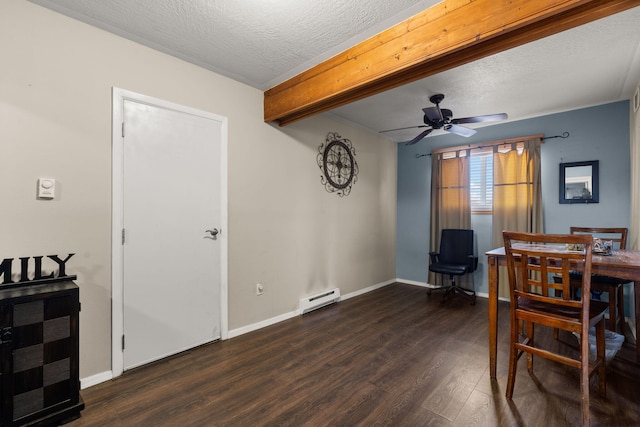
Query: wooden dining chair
x=532 y=262
x=613 y=286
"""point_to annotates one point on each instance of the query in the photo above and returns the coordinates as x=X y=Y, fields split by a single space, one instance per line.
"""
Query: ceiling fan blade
x=408 y=127
x=432 y=113
x=478 y=119
x=460 y=130
x=419 y=137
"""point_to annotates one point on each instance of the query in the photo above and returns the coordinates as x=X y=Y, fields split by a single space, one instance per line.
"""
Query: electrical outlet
x=259 y=288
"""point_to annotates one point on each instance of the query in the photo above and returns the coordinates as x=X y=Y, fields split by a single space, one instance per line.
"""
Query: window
x=481 y=181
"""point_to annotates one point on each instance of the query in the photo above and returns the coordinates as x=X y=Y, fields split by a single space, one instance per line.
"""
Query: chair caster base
x=467 y=293
x=451 y=290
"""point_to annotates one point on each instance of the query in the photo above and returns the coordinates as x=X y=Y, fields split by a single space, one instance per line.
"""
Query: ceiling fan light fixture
x=460 y=130
x=442 y=118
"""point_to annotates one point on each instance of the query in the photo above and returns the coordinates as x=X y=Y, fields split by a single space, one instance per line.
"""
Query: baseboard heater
x=317 y=301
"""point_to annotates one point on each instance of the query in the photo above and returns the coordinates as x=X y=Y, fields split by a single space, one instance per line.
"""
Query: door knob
x=213 y=234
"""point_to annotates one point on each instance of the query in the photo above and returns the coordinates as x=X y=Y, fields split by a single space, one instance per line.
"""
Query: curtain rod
x=492 y=143
x=564 y=135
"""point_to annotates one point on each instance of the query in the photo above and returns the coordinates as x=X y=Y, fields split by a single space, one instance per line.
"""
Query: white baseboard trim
x=367 y=289
x=262 y=324
x=272 y=321
x=412 y=282
x=426 y=285
x=95 y=379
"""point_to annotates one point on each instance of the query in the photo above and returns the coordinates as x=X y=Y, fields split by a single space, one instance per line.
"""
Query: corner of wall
x=95 y=379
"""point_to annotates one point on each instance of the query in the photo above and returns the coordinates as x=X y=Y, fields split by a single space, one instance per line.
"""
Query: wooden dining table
x=624 y=264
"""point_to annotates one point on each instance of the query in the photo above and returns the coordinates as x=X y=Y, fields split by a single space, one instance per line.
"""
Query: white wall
x=285 y=230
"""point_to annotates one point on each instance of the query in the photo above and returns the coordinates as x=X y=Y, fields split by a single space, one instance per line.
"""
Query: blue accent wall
x=596 y=133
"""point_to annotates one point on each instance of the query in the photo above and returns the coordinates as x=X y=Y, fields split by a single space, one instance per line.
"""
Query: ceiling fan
x=441 y=118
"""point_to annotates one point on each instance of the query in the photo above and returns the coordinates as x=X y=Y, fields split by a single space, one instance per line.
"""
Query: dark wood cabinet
x=39 y=349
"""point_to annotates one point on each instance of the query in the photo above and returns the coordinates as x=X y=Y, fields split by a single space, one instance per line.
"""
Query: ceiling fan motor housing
x=433 y=118
x=436 y=124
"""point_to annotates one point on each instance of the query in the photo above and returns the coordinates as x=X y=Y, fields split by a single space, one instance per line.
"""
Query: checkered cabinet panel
x=42 y=354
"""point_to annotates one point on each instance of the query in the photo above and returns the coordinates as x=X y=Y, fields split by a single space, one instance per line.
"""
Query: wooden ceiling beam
x=445 y=36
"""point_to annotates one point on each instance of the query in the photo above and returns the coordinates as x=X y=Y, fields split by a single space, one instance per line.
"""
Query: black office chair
x=456 y=258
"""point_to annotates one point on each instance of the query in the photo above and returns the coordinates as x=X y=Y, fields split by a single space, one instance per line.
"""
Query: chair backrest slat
x=615 y=234
x=533 y=260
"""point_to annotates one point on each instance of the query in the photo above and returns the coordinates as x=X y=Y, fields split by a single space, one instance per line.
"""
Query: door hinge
x=122 y=342
x=123 y=236
x=123 y=129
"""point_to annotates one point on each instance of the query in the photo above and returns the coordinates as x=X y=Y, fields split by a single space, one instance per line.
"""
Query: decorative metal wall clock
x=336 y=160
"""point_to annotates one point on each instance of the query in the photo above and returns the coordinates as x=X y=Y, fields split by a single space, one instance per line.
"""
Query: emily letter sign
x=7 y=268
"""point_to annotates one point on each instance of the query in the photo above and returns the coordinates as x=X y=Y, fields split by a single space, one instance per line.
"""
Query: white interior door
x=171 y=267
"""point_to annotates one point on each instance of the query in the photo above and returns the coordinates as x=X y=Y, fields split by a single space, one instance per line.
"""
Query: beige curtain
x=517 y=192
x=450 y=200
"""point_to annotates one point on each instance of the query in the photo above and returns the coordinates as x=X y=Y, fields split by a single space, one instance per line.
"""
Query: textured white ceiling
x=264 y=42
x=258 y=42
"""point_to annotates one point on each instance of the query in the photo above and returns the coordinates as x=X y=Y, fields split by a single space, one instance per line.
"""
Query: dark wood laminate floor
x=390 y=357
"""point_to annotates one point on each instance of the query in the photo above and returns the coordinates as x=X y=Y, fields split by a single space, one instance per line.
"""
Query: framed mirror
x=579 y=182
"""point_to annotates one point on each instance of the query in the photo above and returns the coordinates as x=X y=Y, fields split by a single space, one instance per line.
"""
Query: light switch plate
x=46 y=188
